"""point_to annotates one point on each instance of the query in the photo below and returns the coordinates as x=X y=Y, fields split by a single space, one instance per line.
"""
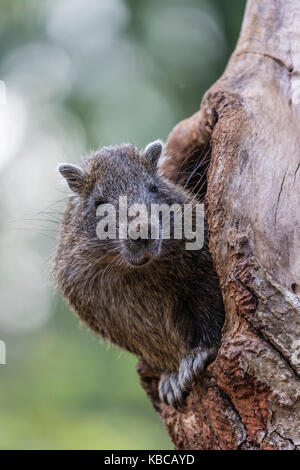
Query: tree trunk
x=249 y=398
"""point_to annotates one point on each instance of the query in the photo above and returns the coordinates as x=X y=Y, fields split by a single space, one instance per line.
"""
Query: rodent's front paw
x=170 y=391
x=193 y=365
x=174 y=387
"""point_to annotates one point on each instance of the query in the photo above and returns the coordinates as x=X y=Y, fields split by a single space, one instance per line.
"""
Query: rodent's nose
x=145 y=240
x=141 y=242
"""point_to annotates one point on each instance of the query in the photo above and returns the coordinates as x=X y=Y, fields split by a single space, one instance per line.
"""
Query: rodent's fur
x=169 y=311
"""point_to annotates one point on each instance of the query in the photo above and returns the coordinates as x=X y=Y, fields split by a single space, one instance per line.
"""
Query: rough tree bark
x=249 y=398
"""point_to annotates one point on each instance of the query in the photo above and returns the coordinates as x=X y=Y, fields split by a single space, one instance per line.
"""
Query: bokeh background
x=80 y=74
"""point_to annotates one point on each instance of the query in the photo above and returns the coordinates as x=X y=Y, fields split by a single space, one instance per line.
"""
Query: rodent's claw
x=170 y=391
x=193 y=365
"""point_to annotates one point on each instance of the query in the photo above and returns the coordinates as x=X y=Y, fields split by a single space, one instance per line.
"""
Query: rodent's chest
x=137 y=302
x=139 y=317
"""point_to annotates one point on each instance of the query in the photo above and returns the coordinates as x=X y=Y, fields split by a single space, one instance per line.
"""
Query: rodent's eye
x=153 y=188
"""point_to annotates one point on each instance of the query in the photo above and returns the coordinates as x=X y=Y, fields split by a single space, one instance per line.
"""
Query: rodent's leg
x=193 y=364
x=170 y=391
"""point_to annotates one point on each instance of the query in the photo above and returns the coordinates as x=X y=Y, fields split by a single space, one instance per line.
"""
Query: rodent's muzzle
x=142 y=246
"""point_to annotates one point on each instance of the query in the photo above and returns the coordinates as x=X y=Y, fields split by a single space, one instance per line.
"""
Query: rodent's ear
x=153 y=151
x=74 y=175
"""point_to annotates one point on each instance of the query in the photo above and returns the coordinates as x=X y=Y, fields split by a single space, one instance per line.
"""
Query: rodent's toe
x=170 y=391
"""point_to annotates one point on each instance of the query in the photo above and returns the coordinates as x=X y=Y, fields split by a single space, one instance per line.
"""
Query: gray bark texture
x=249 y=397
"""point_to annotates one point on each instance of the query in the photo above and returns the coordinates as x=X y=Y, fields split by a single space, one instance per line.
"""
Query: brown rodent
x=153 y=298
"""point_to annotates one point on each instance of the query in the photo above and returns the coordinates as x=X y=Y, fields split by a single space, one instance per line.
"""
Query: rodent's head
x=104 y=177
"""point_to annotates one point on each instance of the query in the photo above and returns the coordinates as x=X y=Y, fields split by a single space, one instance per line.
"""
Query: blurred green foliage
x=80 y=74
